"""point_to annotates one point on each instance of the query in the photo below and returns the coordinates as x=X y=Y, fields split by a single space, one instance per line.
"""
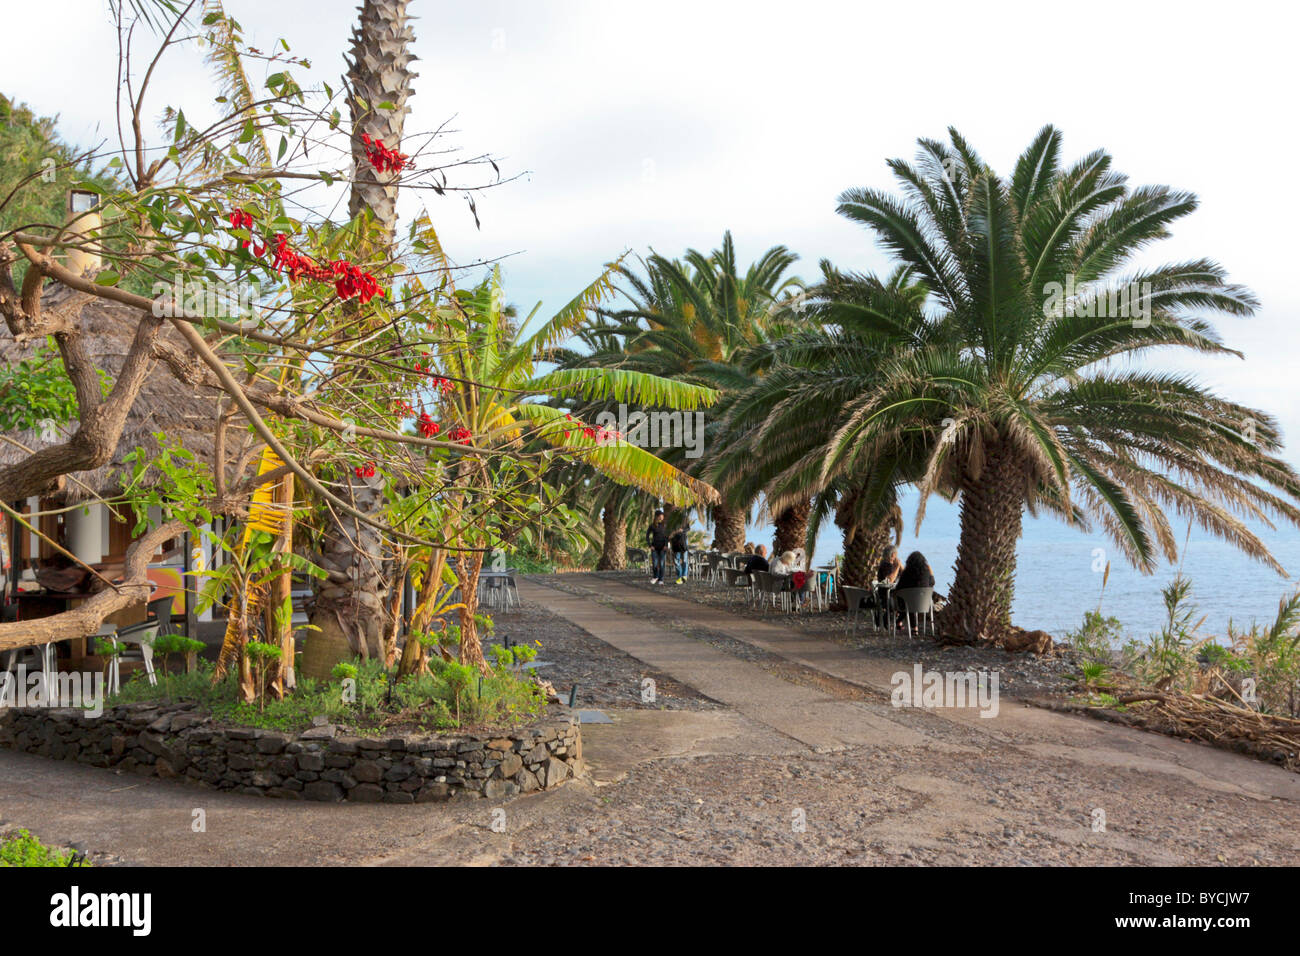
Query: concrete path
x=1033 y=730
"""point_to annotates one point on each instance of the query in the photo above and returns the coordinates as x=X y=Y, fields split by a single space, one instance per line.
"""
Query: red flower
x=365 y=471
x=382 y=157
x=427 y=426
x=238 y=219
x=460 y=434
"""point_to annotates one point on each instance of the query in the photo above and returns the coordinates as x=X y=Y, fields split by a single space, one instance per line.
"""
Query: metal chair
x=918 y=602
x=160 y=613
x=141 y=636
x=855 y=597
x=715 y=563
x=735 y=578
x=774 y=586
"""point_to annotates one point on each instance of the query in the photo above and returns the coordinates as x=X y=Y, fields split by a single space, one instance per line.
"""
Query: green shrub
x=20 y=848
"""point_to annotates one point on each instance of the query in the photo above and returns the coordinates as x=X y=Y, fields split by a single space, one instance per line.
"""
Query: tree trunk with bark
x=992 y=509
x=468 y=566
x=791 y=528
x=350 y=609
x=729 y=527
x=379 y=72
x=613 y=553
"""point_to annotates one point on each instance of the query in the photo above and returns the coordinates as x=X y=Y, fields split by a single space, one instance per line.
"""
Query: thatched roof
x=164 y=404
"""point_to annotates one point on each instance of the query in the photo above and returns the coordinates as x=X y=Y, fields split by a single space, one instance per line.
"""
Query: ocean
x=1059 y=572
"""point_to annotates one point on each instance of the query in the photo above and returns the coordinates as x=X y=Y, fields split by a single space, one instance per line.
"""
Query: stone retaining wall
x=317 y=764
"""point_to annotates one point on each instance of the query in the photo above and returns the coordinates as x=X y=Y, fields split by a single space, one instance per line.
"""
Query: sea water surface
x=1059 y=572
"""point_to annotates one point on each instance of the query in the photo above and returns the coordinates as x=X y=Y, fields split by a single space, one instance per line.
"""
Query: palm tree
x=379 y=80
x=690 y=320
x=803 y=382
x=1026 y=394
x=502 y=400
x=349 y=609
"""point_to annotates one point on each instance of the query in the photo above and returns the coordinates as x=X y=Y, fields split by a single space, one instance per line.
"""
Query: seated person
x=784 y=563
x=916 y=572
x=890 y=567
x=757 y=561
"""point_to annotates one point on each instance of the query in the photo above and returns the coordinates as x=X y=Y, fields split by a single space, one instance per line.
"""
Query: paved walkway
x=824 y=724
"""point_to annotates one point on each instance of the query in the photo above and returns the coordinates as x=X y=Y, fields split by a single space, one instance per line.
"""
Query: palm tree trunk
x=729 y=527
x=791 y=527
x=613 y=554
x=349 y=608
x=379 y=72
x=992 y=508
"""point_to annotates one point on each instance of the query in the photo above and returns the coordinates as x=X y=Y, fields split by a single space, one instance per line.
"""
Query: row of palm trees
x=965 y=372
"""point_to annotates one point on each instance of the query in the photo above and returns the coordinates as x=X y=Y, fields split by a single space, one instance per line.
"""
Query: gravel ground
x=1022 y=676
x=991 y=806
x=606 y=677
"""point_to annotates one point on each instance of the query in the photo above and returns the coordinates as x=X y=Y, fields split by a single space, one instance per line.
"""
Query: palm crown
x=1019 y=387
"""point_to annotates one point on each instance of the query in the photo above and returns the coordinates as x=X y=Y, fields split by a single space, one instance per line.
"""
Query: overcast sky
x=663 y=124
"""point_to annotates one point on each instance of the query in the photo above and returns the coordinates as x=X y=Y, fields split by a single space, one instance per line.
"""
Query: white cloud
x=757 y=115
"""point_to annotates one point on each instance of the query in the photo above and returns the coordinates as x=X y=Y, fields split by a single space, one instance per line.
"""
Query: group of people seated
x=891 y=572
x=898 y=575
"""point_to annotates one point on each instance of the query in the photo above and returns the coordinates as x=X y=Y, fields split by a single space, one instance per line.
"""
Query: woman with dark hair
x=916 y=572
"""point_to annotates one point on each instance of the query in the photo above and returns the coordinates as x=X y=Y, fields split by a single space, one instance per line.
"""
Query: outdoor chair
x=854 y=598
x=775 y=587
x=141 y=637
x=918 y=602
x=715 y=562
x=735 y=578
x=160 y=613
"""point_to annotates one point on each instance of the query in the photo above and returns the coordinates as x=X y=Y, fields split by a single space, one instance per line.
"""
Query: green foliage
x=1271 y=655
x=166 y=645
x=20 y=848
x=1092 y=673
x=37 y=389
x=344 y=671
x=1168 y=659
x=446 y=697
x=1098 y=638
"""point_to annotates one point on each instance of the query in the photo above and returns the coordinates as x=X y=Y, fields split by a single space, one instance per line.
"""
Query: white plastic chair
x=919 y=602
x=142 y=636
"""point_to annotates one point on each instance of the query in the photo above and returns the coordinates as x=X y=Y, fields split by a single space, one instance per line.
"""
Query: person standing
x=656 y=537
x=680 y=546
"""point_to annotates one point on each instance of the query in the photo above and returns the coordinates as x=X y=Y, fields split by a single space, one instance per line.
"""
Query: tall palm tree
x=1027 y=395
x=792 y=413
x=349 y=608
x=379 y=81
x=503 y=400
x=690 y=320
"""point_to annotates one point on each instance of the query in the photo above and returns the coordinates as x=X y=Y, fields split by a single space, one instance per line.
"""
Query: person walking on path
x=656 y=537
x=680 y=546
